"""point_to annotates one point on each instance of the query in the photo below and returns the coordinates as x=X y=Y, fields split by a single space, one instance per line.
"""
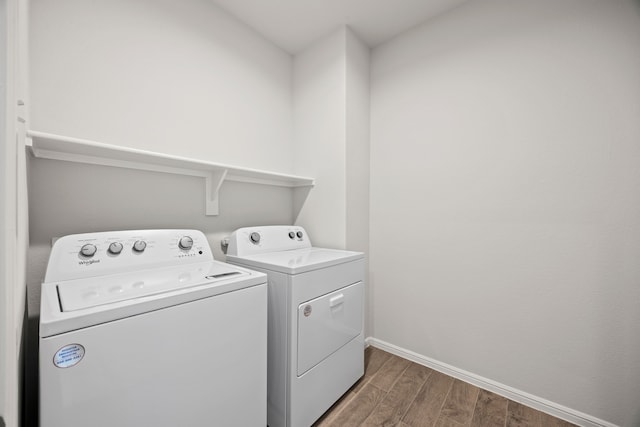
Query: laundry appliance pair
x=146 y=328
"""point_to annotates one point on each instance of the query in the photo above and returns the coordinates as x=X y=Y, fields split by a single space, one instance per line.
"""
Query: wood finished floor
x=400 y=393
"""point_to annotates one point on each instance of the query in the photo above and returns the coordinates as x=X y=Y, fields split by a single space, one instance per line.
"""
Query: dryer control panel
x=79 y=256
x=274 y=238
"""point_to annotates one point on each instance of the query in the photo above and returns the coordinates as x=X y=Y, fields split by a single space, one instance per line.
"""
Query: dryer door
x=327 y=323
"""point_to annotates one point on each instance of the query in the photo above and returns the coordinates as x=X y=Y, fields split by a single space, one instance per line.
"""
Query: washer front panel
x=194 y=364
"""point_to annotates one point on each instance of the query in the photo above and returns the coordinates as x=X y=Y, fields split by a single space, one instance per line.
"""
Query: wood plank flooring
x=399 y=393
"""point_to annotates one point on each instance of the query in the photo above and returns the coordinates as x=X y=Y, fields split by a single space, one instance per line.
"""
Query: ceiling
x=295 y=24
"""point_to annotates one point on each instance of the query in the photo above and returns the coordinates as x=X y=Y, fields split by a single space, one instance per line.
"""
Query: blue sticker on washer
x=68 y=356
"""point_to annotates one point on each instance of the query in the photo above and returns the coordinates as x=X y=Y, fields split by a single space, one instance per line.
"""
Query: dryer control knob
x=139 y=246
x=299 y=234
x=185 y=243
x=88 y=250
x=292 y=235
x=115 y=248
x=255 y=237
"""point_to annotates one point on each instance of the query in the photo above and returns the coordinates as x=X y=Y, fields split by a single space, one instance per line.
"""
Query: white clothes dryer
x=145 y=328
x=315 y=326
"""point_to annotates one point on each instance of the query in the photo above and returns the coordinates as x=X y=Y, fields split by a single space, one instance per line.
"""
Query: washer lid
x=297 y=261
x=85 y=293
x=69 y=305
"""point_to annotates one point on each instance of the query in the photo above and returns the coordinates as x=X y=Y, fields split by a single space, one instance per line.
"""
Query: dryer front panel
x=327 y=323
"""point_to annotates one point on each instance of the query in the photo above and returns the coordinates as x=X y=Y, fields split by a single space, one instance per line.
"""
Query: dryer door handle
x=338 y=299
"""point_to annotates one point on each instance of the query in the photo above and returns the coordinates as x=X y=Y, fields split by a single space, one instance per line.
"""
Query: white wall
x=319 y=114
x=505 y=206
x=357 y=143
x=331 y=121
x=180 y=77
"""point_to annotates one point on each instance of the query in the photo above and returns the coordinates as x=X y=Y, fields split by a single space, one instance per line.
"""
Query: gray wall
x=67 y=198
x=505 y=206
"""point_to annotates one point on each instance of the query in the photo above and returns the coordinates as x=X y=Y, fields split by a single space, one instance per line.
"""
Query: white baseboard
x=543 y=405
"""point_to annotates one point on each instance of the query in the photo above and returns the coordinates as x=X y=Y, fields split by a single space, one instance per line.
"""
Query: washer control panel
x=94 y=254
x=256 y=240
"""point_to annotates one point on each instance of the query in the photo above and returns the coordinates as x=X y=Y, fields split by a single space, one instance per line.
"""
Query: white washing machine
x=316 y=300
x=145 y=328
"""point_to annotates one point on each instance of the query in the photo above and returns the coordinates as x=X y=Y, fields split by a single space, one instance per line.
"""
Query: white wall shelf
x=49 y=146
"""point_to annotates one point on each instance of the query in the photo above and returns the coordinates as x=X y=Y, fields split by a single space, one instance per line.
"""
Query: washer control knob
x=185 y=243
x=88 y=250
x=255 y=237
x=139 y=246
x=292 y=235
x=115 y=248
x=299 y=234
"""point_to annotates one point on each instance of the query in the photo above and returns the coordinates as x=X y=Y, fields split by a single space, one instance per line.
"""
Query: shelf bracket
x=212 y=182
